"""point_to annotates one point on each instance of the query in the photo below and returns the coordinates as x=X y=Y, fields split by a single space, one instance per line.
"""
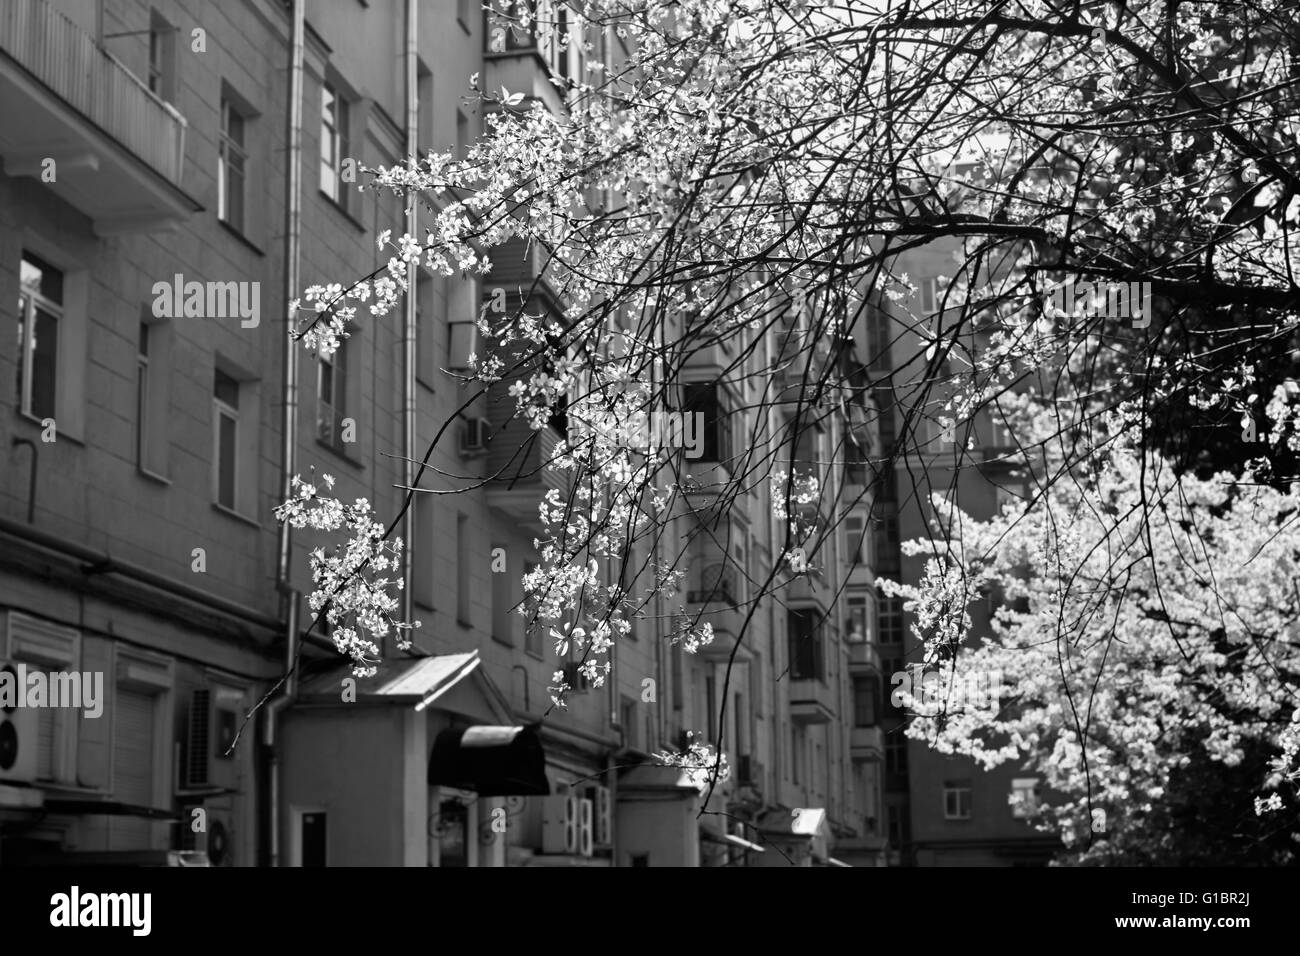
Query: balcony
x=866 y=743
x=518 y=469
x=117 y=151
x=812 y=701
x=863 y=657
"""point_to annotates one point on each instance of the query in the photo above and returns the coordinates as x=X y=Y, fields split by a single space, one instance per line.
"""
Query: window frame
x=30 y=301
x=953 y=810
x=337 y=124
x=232 y=151
x=222 y=408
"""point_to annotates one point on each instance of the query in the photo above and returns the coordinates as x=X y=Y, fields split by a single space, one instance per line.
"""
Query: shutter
x=199 y=739
x=45 y=733
x=133 y=779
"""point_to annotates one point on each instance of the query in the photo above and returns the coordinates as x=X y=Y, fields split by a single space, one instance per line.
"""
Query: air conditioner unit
x=213 y=722
x=474 y=437
x=18 y=736
x=560 y=823
x=214 y=840
x=584 y=828
x=602 y=813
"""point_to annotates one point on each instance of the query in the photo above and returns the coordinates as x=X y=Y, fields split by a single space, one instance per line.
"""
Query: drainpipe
x=409 y=331
x=289 y=426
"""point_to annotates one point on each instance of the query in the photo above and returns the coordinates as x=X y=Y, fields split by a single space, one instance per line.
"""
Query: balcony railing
x=92 y=81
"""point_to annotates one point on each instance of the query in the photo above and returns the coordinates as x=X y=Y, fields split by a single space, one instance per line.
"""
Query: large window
x=40 y=315
x=333 y=142
x=232 y=169
x=866 y=696
x=806 y=652
x=225 y=408
x=708 y=399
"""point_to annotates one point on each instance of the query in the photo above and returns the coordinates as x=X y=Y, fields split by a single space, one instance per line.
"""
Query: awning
x=490 y=761
x=831 y=861
x=730 y=840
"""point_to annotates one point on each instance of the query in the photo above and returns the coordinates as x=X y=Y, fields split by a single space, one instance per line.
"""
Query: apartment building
x=149 y=423
x=941 y=810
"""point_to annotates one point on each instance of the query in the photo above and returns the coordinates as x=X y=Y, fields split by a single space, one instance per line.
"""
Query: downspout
x=289 y=425
x=409 y=330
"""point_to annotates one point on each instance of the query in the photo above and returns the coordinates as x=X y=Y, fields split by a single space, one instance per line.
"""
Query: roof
x=421 y=681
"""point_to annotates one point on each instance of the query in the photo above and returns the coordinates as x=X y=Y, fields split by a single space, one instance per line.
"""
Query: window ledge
x=152 y=476
x=234 y=231
x=340 y=451
x=341 y=210
x=231 y=513
x=59 y=435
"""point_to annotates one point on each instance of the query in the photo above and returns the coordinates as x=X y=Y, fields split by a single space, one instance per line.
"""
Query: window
x=711 y=707
x=428 y=306
x=796 y=755
x=232 y=168
x=142 y=396
x=162 y=58
x=462 y=134
x=225 y=405
x=956 y=800
x=859 y=620
x=1024 y=797
x=462 y=570
x=312 y=839
x=462 y=342
x=707 y=398
x=627 y=717
x=891 y=620
x=877 y=340
x=866 y=697
x=533 y=632
x=502 y=605
x=805 y=637
x=333 y=142
x=562 y=53
x=423 y=107
x=896 y=753
x=929 y=295
x=331 y=395
x=40 y=316
x=900 y=831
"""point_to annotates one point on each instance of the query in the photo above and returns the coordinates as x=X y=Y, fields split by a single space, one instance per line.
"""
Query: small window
x=232 y=168
x=957 y=801
x=314 y=842
x=866 y=696
x=1024 y=797
x=422 y=552
x=627 y=717
x=896 y=753
x=142 y=398
x=331 y=394
x=929 y=295
x=859 y=621
x=891 y=620
x=423 y=107
x=162 y=58
x=225 y=404
x=333 y=142
x=40 y=318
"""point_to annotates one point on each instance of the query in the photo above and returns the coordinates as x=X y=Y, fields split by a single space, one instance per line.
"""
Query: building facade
x=174 y=174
